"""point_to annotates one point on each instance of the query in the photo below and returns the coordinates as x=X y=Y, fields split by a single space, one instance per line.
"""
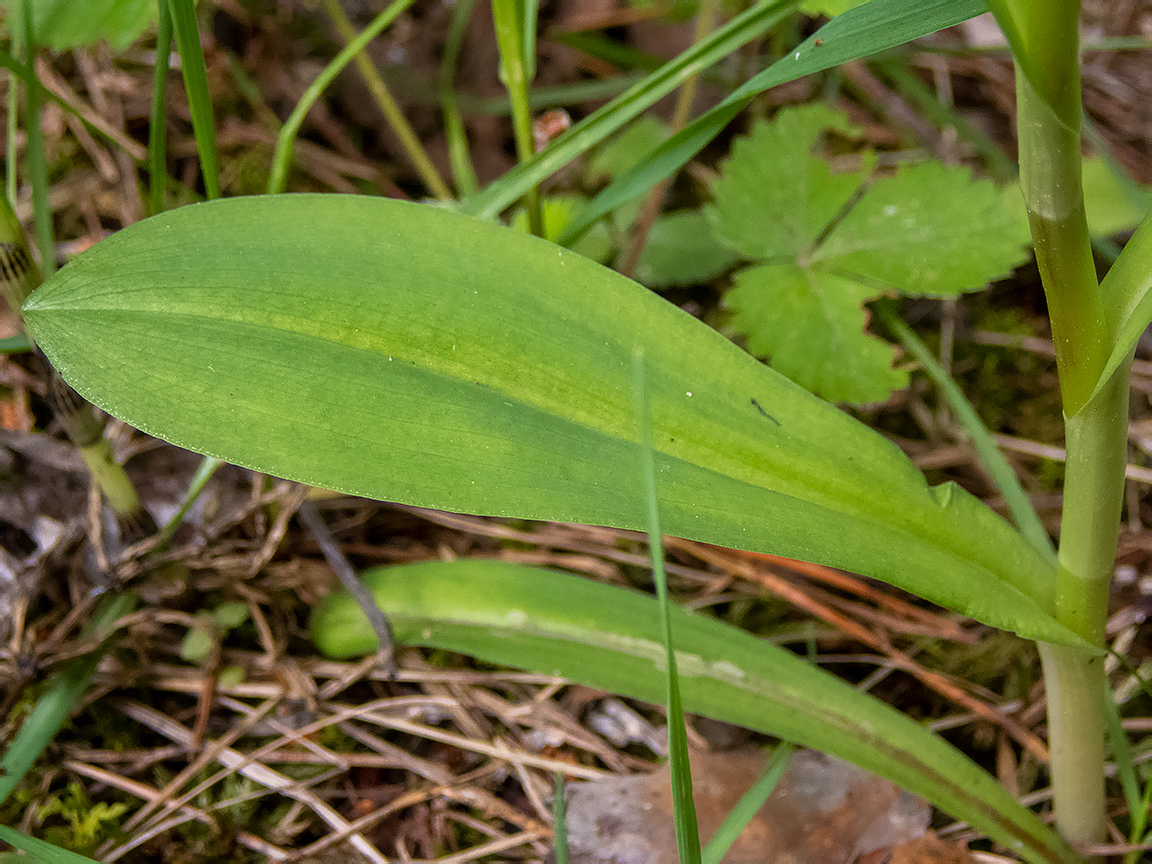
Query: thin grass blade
x=560 y=820
x=64 y=689
x=158 y=115
x=195 y=72
x=749 y=805
x=282 y=157
x=1019 y=504
x=40 y=852
x=683 y=805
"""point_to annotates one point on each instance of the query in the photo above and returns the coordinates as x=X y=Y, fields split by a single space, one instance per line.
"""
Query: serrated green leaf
x=409 y=353
x=773 y=199
x=609 y=638
x=929 y=230
x=810 y=323
x=681 y=251
x=65 y=24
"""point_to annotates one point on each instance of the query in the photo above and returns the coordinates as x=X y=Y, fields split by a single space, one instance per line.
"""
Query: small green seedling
x=204 y=638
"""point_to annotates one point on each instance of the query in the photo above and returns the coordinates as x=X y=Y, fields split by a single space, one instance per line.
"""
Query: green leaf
x=198 y=642
x=811 y=323
x=773 y=198
x=834 y=242
x=409 y=353
x=831 y=8
x=230 y=615
x=65 y=24
x=1112 y=206
x=930 y=230
x=40 y=852
x=1127 y=293
x=681 y=251
x=609 y=638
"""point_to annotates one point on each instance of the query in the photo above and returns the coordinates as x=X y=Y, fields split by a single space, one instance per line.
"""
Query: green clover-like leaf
x=837 y=241
x=682 y=251
x=928 y=230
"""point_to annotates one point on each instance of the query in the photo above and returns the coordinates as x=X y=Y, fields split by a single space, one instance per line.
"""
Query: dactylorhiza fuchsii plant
x=409 y=353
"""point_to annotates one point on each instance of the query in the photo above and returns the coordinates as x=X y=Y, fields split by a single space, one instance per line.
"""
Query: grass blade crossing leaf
x=609 y=638
x=876 y=26
x=478 y=369
x=683 y=806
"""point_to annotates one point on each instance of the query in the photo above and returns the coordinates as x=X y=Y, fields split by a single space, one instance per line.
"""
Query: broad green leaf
x=65 y=24
x=609 y=638
x=409 y=353
x=811 y=324
x=835 y=241
x=876 y=26
x=681 y=251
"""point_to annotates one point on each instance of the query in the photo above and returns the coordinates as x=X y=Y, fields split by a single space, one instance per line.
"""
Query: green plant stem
x=282 y=158
x=13 y=120
x=510 y=36
x=158 y=118
x=395 y=118
x=1093 y=490
x=1050 y=178
x=1044 y=38
x=1090 y=525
